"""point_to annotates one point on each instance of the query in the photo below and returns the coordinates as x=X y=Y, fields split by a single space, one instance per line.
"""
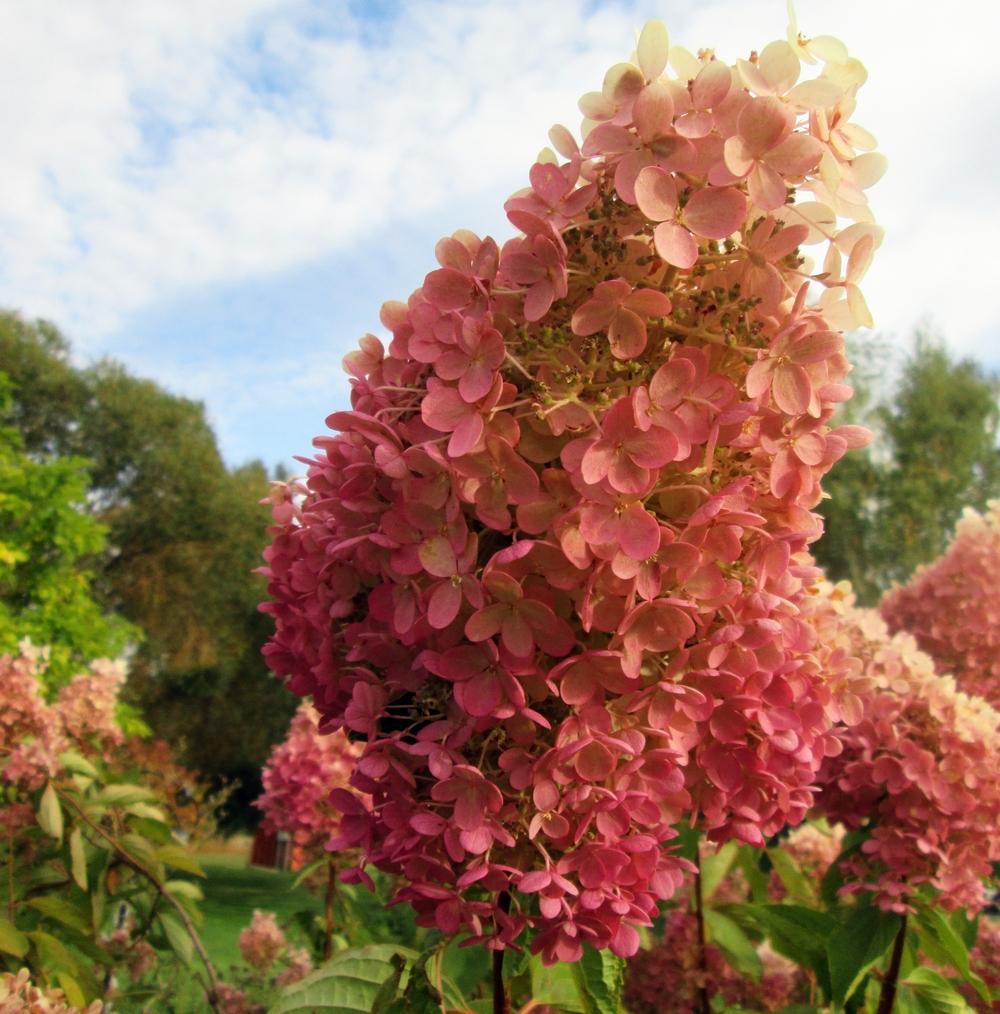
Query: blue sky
x=222 y=195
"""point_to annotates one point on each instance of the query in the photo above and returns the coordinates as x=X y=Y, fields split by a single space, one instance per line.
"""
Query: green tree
x=185 y=534
x=48 y=544
x=894 y=506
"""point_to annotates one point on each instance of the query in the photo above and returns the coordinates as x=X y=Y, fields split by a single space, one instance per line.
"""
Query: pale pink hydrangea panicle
x=952 y=606
x=262 y=942
x=31 y=739
x=85 y=707
x=19 y=995
x=299 y=776
x=918 y=764
x=550 y=565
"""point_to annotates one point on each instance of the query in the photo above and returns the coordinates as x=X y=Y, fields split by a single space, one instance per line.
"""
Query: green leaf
x=146 y=811
x=124 y=795
x=715 y=868
x=748 y=860
x=858 y=945
x=687 y=840
x=78 y=858
x=799 y=934
x=80 y=765
x=420 y=996
x=943 y=945
x=178 y=937
x=12 y=940
x=185 y=889
x=555 y=986
x=52 y=952
x=833 y=879
x=308 y=870
x=50 y=815
x=60 y=910
x=734 y=944
x=74 y=994
x=349 y=983
x=142 y=851
x=796 y=883
x=934 y=992
x=180 y=859
x=599 y=977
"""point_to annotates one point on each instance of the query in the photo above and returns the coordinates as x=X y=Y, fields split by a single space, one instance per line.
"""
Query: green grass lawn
x=232 y=890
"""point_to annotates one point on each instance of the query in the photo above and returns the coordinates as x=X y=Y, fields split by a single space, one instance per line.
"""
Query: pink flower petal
x=675 y=244
x=594 y=762
x=792 y=389
x=715 y=212
x=627 y=334
x=638 y=532
x=656 y=194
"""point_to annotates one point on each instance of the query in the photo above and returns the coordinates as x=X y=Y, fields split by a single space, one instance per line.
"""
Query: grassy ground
x=232 y=889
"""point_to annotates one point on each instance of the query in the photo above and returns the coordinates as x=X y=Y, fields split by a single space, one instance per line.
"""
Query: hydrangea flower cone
x=549 y=566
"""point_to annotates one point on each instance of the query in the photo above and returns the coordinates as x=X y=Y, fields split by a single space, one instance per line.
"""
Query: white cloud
x=151 y=148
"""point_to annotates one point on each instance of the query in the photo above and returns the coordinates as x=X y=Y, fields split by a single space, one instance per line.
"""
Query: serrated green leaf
x=715 y=868
x=734 y=944
x=177 y=936
x=348 y=983
x=798 y=886
x=799 y=934
x=856 y=947
x=12 y=940
x=555 y=986
x=420 y=996
x=599 y=978
x=936 y=992
x=60 y=910
x=50 y=815
x=942 y=944
x=180 y=859
x=78 y=858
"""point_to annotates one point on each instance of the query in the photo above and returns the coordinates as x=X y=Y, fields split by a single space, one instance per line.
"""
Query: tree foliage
x=184 y=534
x=894 y=505
x=47 y=547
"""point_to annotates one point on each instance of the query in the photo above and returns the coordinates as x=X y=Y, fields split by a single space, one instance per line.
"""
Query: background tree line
x=169 y=540
x=120 y=524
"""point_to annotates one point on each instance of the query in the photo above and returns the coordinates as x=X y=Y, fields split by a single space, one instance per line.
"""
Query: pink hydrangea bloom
x=550 y=566
x=299 y=776
x=666 y=978
x=917 y=765
x=961 y=583
x=33 y=732
x=18 y=995
x=262 y=942
x=299 y=965
x=86 y=706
